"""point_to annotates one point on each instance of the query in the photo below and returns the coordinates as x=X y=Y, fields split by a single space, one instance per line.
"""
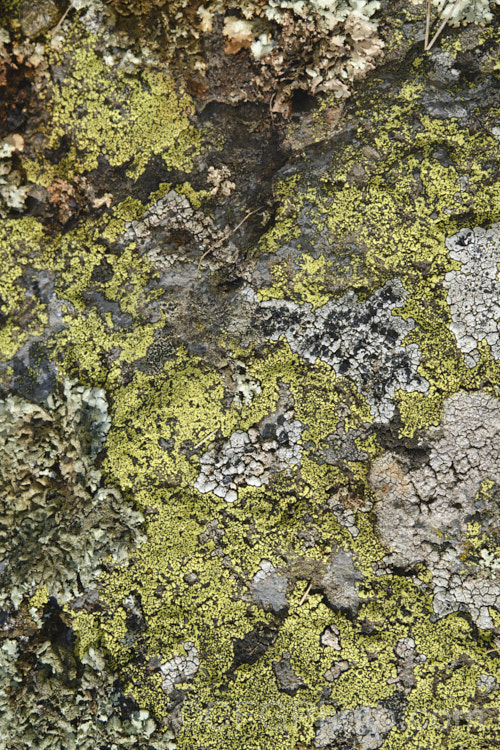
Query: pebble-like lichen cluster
x=251 y=458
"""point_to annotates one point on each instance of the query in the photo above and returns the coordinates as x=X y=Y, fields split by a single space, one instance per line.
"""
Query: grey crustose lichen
x=474 y=291
x=363 y=341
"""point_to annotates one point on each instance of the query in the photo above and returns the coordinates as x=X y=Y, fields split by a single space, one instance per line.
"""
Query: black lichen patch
x=253 y=646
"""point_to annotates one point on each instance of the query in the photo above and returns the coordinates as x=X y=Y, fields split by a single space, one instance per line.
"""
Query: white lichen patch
x=474 y=290
x=365 y=728
x=180 y=668
x=317 y=45
x=423 y=510
x=172 y=231
x=251 y=458
x=245 y=387
x=338 y=668
x=362 y=341
x=331 y=638
x=13 y=190
x=466 y=11
x=487 y=683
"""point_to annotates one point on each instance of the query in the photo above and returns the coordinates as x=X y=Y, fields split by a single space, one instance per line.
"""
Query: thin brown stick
x=229 y=234
x=59 y=23
x=305 y=594
x=443 y=24
x=427 y=24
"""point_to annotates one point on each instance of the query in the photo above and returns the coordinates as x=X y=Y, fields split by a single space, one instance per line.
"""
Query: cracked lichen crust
x=474 y=290
x=365 y=727
x=362 y=341
x=180 y=669
x=59 y=522
x=251 y=458
x=423 y=513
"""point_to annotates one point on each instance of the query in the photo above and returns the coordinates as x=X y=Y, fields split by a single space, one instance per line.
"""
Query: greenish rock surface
x=249 y=385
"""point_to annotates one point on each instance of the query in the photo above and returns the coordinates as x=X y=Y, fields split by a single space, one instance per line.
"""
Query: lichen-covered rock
x=249 y=379
x=59 y=522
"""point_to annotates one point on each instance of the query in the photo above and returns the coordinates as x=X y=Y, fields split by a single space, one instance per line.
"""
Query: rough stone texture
x=474 y=290
x=249 y=376
x=424 y=513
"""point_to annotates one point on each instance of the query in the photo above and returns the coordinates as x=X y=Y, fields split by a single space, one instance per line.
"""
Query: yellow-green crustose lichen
x=121 y=117
x=237 y=566
x=305 y=581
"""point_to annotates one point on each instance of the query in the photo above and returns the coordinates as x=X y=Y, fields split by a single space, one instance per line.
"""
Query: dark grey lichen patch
x=268 y=588
x=59 y=522
x=474 y=290
x=362 y=341
x=288 y=682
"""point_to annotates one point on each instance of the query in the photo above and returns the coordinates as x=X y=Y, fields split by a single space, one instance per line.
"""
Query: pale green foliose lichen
x=59 y=522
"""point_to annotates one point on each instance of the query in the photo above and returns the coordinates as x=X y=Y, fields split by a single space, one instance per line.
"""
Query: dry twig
x=442 y=25
x=427 y=24
x=306 y=593
x=228 y=234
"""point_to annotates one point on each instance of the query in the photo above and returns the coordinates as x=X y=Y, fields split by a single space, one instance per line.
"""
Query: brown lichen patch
x=284 y=47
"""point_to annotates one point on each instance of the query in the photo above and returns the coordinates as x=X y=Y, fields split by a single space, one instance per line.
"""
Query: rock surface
x=249 y=376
